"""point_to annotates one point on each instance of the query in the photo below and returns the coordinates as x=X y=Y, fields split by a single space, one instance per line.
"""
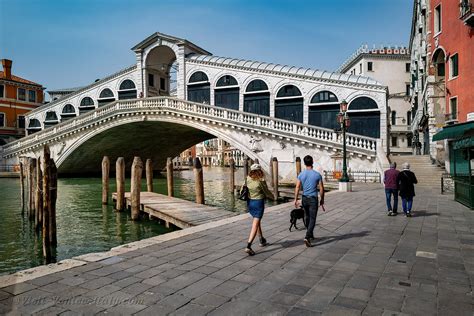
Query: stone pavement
x=363 y=262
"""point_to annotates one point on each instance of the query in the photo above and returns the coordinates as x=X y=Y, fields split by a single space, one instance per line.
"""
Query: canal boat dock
x=178 y=212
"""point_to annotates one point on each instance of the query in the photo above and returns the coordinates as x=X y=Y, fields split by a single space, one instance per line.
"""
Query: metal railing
x=172 y=107
x=354 y=176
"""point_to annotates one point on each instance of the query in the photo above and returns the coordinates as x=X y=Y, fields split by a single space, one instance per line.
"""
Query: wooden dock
x=178 y=212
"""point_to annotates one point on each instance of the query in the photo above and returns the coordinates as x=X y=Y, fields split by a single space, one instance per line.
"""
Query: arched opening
x=50 y=119
x=161 y=68
x=86 y=105
x=34 y=126
x=257 y=98
x=68 y=112
x=106 y=96
x=199 y=88
x=289 y=104
x=323 y=109
x=127 y=90
x=439 y=63
x=226 y=93
x=365 y=117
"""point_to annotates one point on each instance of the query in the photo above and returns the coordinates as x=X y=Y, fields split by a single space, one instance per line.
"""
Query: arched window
x=323 y=109
x=365 y=117
x=68 y=112
x=33 y=126
x=257 y=98
x=226 y=94
x=50 y=119
x=127 y=90
x=199 y=88
x=289 y=104
x=106 y=96
x=86 y=105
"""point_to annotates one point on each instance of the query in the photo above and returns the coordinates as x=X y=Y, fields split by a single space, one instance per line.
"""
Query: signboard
x=470 y=116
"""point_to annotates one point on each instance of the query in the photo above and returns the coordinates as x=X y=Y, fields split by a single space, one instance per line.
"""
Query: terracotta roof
x=18 y=79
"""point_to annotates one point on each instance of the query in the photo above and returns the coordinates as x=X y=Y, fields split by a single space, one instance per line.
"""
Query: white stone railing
x=171 y=106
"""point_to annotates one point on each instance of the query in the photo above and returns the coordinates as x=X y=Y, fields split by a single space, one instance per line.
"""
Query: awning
x=453 y=131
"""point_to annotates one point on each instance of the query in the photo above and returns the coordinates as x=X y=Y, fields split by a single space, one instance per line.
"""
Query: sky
x=70 y=43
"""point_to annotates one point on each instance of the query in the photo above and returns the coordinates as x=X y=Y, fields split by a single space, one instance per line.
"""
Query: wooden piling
x=199 y=181
x=32 y=213
x=271 y=171
x=105 y=179
x=53 y=189
x=275 y=176
x=136 y=179
x=120 y=180
x=39 y=196
x=31 y=186
x=298 y=166
x=46 y=203
x=246 y=166
x=232 y=174
x=22 y=185
x=149 y=175
x=169 y=176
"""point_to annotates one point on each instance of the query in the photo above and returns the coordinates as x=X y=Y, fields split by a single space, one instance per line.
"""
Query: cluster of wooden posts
x=135 y=182
x=41 y=177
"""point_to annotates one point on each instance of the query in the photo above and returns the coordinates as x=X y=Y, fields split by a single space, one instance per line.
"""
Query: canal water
x=84 y=225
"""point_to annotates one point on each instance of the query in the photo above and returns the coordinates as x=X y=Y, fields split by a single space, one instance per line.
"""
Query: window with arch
x=86 y=105
x=34 y=126
x=199 y=88
x=257 y=98
x=289 y=104
x=50 y=119
x=68 y=112
x=365 y=117
x=127 y=90
x=106 y=96
x=323 y=109
x=226 y=93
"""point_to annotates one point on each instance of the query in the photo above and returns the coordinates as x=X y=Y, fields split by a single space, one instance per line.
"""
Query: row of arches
x=289 y=103
x=127 y=90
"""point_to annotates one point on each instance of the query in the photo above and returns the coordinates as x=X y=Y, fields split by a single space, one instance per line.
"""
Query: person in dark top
x=406 y=184
x=391 y=188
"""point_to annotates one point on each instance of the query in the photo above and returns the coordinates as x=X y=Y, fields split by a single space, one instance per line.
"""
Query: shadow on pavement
x=423 y=213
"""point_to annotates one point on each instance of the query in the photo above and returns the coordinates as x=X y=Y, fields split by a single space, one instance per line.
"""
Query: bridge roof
x=285 y=69
x=157 y=35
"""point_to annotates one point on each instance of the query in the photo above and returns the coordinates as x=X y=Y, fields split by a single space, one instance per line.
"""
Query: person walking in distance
x=258 y=191
x=391 y=188
x=406 y=183
x=308 y=180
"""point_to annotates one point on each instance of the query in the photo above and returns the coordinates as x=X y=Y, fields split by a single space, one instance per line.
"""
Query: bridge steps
x=180 y=213
x=427 y=174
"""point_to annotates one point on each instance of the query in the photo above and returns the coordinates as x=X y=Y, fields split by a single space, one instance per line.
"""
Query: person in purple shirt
x=391 y=188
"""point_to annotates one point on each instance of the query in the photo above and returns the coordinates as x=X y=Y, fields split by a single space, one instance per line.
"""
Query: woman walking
x=258 y=191
x=406 y=180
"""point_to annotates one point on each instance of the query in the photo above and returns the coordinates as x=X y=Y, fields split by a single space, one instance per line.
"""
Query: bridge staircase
x=427 y=174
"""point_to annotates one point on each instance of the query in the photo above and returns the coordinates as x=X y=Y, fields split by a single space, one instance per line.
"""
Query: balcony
x=450 y=118
x=400 y=128
x=466 y=12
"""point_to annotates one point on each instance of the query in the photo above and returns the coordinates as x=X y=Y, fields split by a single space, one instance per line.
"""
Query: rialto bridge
x=265 y=110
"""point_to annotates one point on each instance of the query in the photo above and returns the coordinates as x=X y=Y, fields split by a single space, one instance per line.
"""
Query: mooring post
x=39 y=195
x=105 y=180
x=246 y=166
x=137 y=170
x=199 y=181
x=149 y=175
x=120 y=180
x=22 y=185
x=232 y=174
x=271 y=171
x=53 y=197
x=46 y=203
x=33 y=189
x=298 y=166
x=169 y=176
x=30 y=181
x=275 y=176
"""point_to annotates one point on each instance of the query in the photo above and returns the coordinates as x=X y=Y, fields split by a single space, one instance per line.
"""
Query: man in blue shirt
x=309 y=179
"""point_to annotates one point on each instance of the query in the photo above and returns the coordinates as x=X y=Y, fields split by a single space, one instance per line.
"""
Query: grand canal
x=85 y=226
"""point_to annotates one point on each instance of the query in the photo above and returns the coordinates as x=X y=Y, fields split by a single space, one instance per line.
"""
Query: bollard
x=120 y=181
x=39 y=196
x=199 y=181
x=53 y=196
x=275 y=176
x=232 y=174
x=149 y=175
x=46 y=203
x=105 y=180
x=298 y=166
x=169 y=176
x=136 y=178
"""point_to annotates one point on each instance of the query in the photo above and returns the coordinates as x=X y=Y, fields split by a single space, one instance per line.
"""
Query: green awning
x=453 y=131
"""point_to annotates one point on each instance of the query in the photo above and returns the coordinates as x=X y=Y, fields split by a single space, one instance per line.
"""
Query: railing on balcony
x=466 y=12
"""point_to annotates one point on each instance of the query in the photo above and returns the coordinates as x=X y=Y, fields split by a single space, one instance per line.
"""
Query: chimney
x=7 y=68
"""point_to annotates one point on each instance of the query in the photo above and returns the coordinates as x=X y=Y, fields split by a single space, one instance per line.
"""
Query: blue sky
x=68 y=43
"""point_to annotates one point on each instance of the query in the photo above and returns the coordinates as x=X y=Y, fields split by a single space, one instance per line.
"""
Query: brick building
x=17 y=97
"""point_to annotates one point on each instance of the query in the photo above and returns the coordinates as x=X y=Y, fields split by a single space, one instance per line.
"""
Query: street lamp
x=344 y=120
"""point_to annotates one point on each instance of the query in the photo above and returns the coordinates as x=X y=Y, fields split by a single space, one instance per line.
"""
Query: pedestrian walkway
x=362 y=262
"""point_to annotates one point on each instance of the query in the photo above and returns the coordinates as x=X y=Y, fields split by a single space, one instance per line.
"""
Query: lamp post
x=344 y=120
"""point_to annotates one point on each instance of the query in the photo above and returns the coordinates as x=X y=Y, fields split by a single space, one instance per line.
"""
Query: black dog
x=296 y=214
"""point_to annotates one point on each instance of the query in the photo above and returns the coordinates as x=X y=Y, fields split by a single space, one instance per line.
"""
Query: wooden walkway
x=178 y=212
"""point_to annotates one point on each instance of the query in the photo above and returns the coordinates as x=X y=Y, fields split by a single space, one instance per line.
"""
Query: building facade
x=18 y=96
x=391 y=66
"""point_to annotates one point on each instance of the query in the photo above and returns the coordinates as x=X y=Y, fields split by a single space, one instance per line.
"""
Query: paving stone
x=50 y=278
x=229 y=288
x=210 y=299
x=350 y=303
x=123 y=309
x=358 y=294
x=193 y=309
x=296 y=311
x=285 y=299
x=200 y=287
x=19 y=288
x=335 y=310
x=235 y=307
